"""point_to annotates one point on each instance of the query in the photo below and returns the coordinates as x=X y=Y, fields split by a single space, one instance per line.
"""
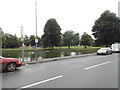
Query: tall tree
x=76 y=39
x=70 y=38
x=86 y=40
x=105 y=29
x=52 y=34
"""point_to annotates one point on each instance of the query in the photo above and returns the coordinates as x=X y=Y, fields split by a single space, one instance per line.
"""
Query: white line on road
x=97 y=65
x=42 y=82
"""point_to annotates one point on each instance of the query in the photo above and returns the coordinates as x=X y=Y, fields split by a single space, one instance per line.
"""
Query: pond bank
x=33 y=55
x=57 y=59
x=55 y=48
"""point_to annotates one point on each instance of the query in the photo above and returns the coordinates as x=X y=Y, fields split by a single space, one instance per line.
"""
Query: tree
x=10 y=41
x=76 y=39
x=16 y=41
x=86 y=40
x=26 y=40
x=105 y=29
x=70 y=38
x=1 y=34
x=52 y=34
x=2 y=39
x=32 y=40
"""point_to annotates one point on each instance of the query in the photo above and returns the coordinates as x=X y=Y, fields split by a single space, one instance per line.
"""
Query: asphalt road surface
x=99 y=71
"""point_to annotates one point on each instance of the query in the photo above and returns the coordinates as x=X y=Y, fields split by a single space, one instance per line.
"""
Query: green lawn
x=59 y=48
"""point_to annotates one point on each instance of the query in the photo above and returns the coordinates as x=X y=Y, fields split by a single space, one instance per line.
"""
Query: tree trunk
x=85 y=46
x=52 y=47
x=69 y=47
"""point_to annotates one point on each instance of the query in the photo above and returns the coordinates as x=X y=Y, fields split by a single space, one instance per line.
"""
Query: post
x=36 y=40
x=22 y=39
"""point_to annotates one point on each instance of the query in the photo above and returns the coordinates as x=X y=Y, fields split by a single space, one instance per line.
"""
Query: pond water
x=42 y=54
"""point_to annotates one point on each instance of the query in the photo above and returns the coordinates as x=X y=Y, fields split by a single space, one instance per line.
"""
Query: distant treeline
x=69 y=38
x=105 y=31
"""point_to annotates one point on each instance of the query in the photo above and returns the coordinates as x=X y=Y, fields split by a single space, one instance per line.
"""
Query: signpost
x=22 y=39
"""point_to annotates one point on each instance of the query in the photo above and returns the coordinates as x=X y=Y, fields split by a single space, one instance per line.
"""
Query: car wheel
x=107 y=53
x=11 y=67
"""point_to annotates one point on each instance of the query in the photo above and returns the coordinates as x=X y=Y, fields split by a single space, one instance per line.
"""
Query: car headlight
x=20 y=60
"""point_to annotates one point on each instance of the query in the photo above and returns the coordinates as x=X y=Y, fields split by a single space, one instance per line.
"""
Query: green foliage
x=105 y=29
x=39 y=41
x=26 y=40
x=32 y=40
x=86 y=40
x=10 y=41
x=52 y=34
x=1 y=33
x=70 y=38
x=76 y=39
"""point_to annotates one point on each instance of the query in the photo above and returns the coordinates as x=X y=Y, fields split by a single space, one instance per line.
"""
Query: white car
x=106 y=51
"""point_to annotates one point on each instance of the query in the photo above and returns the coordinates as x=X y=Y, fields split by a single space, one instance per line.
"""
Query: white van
x=115 y=47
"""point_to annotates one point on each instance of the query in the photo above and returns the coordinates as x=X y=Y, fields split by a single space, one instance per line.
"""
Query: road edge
x=57 y=59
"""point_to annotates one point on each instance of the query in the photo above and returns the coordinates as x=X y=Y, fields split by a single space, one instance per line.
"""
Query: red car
x=9 y=64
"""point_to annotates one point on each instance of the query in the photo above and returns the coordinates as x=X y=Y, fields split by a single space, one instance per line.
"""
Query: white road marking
x=97 y=65
x=42 y=81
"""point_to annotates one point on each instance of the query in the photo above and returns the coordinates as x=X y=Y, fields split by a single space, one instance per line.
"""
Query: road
x=99 y=71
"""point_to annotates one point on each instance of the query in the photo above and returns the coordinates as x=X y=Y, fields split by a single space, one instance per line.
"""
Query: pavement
x=94 y=71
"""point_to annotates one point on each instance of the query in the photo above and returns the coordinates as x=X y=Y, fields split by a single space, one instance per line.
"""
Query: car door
x=0 y=63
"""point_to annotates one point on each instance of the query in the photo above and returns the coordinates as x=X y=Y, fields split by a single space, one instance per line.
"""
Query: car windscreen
x=102 y=49
x=115 y=46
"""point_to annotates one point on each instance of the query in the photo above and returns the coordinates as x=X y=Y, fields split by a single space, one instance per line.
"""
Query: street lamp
x=36 y=40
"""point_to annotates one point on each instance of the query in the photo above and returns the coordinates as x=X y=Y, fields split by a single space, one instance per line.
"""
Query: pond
x=30 y=55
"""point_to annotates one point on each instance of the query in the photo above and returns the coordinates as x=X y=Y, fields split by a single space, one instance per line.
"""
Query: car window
x=103 y=48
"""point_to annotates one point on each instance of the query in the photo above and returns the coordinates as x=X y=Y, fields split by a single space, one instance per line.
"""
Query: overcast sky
x=76 y=15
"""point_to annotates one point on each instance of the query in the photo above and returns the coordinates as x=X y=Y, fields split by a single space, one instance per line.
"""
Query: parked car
x=106 y=51
x=116 y=47
x=9 y=64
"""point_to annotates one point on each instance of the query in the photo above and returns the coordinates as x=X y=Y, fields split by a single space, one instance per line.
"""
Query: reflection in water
x=62 y=54
x=72 y=53
x=39 y=55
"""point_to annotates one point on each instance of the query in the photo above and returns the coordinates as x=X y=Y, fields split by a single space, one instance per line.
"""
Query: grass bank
x=55 y=48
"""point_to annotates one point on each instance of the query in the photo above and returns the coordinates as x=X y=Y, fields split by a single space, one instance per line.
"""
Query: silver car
x=105 y=51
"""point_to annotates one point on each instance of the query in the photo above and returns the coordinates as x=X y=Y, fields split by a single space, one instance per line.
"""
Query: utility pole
x=36 y=40
x=22 y=39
